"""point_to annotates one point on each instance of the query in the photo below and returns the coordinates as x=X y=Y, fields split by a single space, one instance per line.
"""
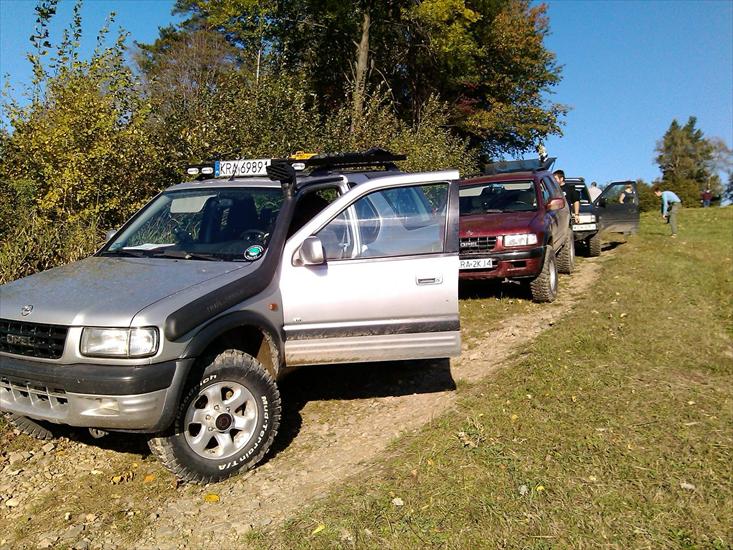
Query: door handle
x=434 y=280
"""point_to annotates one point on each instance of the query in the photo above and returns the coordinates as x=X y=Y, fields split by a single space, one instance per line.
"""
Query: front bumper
x=508 y=264
x=139 y=398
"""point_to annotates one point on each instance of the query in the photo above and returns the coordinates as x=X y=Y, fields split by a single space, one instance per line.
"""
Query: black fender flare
x=215 y=328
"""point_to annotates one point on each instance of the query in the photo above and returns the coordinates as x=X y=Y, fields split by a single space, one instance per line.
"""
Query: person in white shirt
x=594 y=191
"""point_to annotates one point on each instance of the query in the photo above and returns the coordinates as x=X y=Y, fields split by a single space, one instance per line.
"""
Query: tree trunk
x=362 y=60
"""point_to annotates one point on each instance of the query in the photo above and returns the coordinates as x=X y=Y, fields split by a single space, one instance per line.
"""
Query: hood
x=496 y=224
x=105 y=291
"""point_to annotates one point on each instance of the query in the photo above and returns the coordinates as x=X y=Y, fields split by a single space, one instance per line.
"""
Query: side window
x=545 y=192
x=394 y=222
x=620 y=193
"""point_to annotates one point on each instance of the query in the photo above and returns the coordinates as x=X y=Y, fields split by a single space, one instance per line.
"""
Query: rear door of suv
x=388 y=288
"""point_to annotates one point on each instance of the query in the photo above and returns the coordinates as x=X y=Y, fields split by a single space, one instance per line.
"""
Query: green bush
x=38 y=244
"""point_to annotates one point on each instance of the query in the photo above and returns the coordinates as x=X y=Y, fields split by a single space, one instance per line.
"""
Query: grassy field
x=615 y=429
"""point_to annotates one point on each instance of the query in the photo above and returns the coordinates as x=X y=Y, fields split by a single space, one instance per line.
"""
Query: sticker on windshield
x=253 y=252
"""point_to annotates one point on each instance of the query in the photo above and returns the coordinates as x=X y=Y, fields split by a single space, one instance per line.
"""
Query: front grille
x=476 y=246
x=32 y=339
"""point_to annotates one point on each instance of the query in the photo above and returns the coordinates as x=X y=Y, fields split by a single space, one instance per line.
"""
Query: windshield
x=203 y=224
x=498 y=196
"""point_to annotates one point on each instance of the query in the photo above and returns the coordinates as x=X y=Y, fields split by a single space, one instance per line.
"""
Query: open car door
x=374 y=276
x=618 y=207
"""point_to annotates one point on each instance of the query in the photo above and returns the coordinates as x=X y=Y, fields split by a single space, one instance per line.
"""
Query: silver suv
x=184 y=321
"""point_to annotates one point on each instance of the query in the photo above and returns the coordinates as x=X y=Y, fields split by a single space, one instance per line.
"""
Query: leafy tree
x=687 y=161
x=648 y=201
x=484 y=58
x=77 y=156
x=494 y=70
x=82 y=139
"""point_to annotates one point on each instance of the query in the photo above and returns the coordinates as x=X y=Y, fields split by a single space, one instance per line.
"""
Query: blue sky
x=630 y=67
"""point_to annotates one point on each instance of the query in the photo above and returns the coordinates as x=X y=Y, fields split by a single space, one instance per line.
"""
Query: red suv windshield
x=498 y=196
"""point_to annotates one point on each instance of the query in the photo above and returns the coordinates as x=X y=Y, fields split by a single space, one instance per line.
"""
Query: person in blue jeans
x=670 y=205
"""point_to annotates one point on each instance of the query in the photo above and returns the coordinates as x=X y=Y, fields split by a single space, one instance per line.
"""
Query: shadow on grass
x=471 y=290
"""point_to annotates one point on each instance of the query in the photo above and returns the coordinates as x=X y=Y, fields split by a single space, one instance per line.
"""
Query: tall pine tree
x=686 y=159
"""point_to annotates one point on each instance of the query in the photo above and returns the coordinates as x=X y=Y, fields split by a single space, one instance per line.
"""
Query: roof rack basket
x=522 y=165
x=371 y=158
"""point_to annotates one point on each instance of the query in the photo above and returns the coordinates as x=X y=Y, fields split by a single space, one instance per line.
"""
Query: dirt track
x=337 y=420
x=346 y=424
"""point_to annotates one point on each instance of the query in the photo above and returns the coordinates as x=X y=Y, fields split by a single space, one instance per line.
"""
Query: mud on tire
x=544 y=286
x=566 y=257
x=594 y=245
x=226 y=421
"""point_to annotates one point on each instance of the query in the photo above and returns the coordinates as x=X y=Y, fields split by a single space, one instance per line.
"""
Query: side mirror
x=601 y=202
x=558 y=203
x=310 y=252
x=109 y=234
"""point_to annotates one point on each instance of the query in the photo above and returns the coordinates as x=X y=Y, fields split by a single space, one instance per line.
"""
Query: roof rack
x=307 y=164
x=522 y=165
x=371 y=158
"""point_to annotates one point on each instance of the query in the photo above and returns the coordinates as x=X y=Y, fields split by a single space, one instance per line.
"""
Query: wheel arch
x=246 y=331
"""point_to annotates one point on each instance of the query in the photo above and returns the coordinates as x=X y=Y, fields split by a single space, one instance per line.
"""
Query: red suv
x=515 y=224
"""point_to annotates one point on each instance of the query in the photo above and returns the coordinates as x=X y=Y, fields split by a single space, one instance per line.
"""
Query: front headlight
x=522 y=239
x=119 y=342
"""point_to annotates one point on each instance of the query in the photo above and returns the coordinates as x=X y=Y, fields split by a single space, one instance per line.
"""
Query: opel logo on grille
x=26 y=310
x=17 y=340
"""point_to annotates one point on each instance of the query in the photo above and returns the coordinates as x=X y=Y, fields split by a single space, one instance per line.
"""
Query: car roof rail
x=521 y=165
x=372 y=159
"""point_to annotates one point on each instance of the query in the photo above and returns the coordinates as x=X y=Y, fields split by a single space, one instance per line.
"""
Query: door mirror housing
x=558 y=203
x=601 y=202
x=310 y=252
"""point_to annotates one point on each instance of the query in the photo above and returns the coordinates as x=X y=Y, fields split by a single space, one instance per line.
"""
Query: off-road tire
x=34 y=428
x=566 y=257
x=544 y=286
x=229 y=367
x=594 y=245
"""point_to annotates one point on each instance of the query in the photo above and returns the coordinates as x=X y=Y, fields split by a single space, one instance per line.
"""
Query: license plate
x=584 y=226
x=250 y=167
x=480 y=263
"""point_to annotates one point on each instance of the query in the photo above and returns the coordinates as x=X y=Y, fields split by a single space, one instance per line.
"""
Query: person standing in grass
x=670 y=205
x=707 y=197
